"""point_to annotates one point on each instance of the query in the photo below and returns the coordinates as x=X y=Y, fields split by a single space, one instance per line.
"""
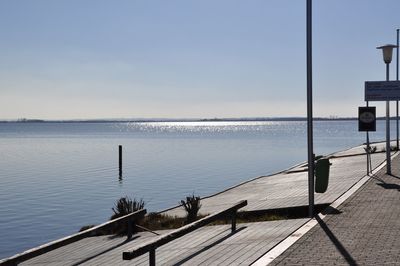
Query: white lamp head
x=387 y=52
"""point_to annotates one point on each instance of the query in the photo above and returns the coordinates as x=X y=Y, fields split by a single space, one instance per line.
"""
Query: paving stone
x=365 y=232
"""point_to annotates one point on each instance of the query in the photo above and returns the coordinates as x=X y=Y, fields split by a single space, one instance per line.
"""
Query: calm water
x=57 y=177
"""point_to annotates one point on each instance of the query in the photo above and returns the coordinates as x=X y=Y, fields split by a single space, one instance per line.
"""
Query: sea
x=56 y=177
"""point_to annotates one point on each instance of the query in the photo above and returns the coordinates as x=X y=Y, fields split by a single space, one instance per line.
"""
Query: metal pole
x=120 y=160
x=368 y=151
x=397 y=102
x=310 y=113
x=397 y=125
x=397 y=55
x=388 y=162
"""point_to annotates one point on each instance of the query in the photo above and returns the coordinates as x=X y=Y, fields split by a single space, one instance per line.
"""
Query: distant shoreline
x=154 y=120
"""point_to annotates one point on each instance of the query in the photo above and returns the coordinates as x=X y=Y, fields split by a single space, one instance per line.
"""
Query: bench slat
x=152 y=245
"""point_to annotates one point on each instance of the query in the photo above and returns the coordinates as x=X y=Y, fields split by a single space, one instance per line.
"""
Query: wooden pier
x=220 y=244
x=207 y=245
x=290 y=188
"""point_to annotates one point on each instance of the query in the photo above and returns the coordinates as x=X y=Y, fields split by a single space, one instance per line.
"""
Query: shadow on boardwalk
x=346 y=255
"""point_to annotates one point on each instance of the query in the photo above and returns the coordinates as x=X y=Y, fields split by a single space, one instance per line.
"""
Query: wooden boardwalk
x=210 y=245
x=290 y=188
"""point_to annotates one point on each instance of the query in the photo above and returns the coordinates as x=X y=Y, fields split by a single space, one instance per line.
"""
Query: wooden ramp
x=290 y=188
x=205 y=246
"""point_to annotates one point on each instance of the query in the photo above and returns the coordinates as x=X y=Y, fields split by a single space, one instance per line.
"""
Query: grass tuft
x=126 y=205
x=192 y=206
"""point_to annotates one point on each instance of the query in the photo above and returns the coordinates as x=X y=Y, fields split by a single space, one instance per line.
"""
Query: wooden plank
x=264 y=234
x=202 y=237
x=167 y=255
x=31 y=253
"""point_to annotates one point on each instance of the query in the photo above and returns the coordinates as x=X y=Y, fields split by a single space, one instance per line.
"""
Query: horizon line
x=216 y=119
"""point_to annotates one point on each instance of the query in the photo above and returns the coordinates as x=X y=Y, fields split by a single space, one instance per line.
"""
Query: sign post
x=367 y=118
x=366 y=123
x=384 y=91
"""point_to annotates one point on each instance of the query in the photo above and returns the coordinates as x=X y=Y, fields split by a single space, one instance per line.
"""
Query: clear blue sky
x=130 y=59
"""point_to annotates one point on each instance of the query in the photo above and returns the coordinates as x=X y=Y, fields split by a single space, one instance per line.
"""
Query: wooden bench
x=151 y=246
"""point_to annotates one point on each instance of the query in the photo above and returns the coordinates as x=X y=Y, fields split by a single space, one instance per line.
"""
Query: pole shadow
x=395 y=176
x=390 y=186
x=346 y=255
x=386 y=185
x=377 y=178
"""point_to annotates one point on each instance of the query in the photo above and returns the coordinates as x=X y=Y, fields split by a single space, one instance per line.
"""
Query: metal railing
x=31 y=253
x=152 y=245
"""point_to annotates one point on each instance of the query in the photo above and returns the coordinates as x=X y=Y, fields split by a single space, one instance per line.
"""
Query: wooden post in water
x=120 y=160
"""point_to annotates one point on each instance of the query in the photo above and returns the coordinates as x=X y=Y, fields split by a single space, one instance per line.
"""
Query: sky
x=89 y=59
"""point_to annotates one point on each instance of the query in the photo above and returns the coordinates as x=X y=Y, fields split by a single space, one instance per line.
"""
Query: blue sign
x=382 y=90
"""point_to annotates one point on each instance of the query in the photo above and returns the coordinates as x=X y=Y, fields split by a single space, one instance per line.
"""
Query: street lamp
x=397 y=102
x=387 y=58
x=310 y=142
x=387 y=52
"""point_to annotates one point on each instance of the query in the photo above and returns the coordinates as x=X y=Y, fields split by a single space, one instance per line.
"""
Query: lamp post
x=397 y=56
x=310 y=145
x=368 y=151
x=397 y=102
x=387 y=58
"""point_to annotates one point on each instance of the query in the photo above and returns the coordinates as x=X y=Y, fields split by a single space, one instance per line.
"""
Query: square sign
x=367 y=118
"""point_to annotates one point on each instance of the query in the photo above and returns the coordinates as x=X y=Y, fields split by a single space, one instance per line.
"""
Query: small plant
x=126 y=205
x=192 y=206
x=370 y=149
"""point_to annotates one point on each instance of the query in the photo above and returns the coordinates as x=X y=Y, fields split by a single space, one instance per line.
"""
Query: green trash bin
x=321 y=175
